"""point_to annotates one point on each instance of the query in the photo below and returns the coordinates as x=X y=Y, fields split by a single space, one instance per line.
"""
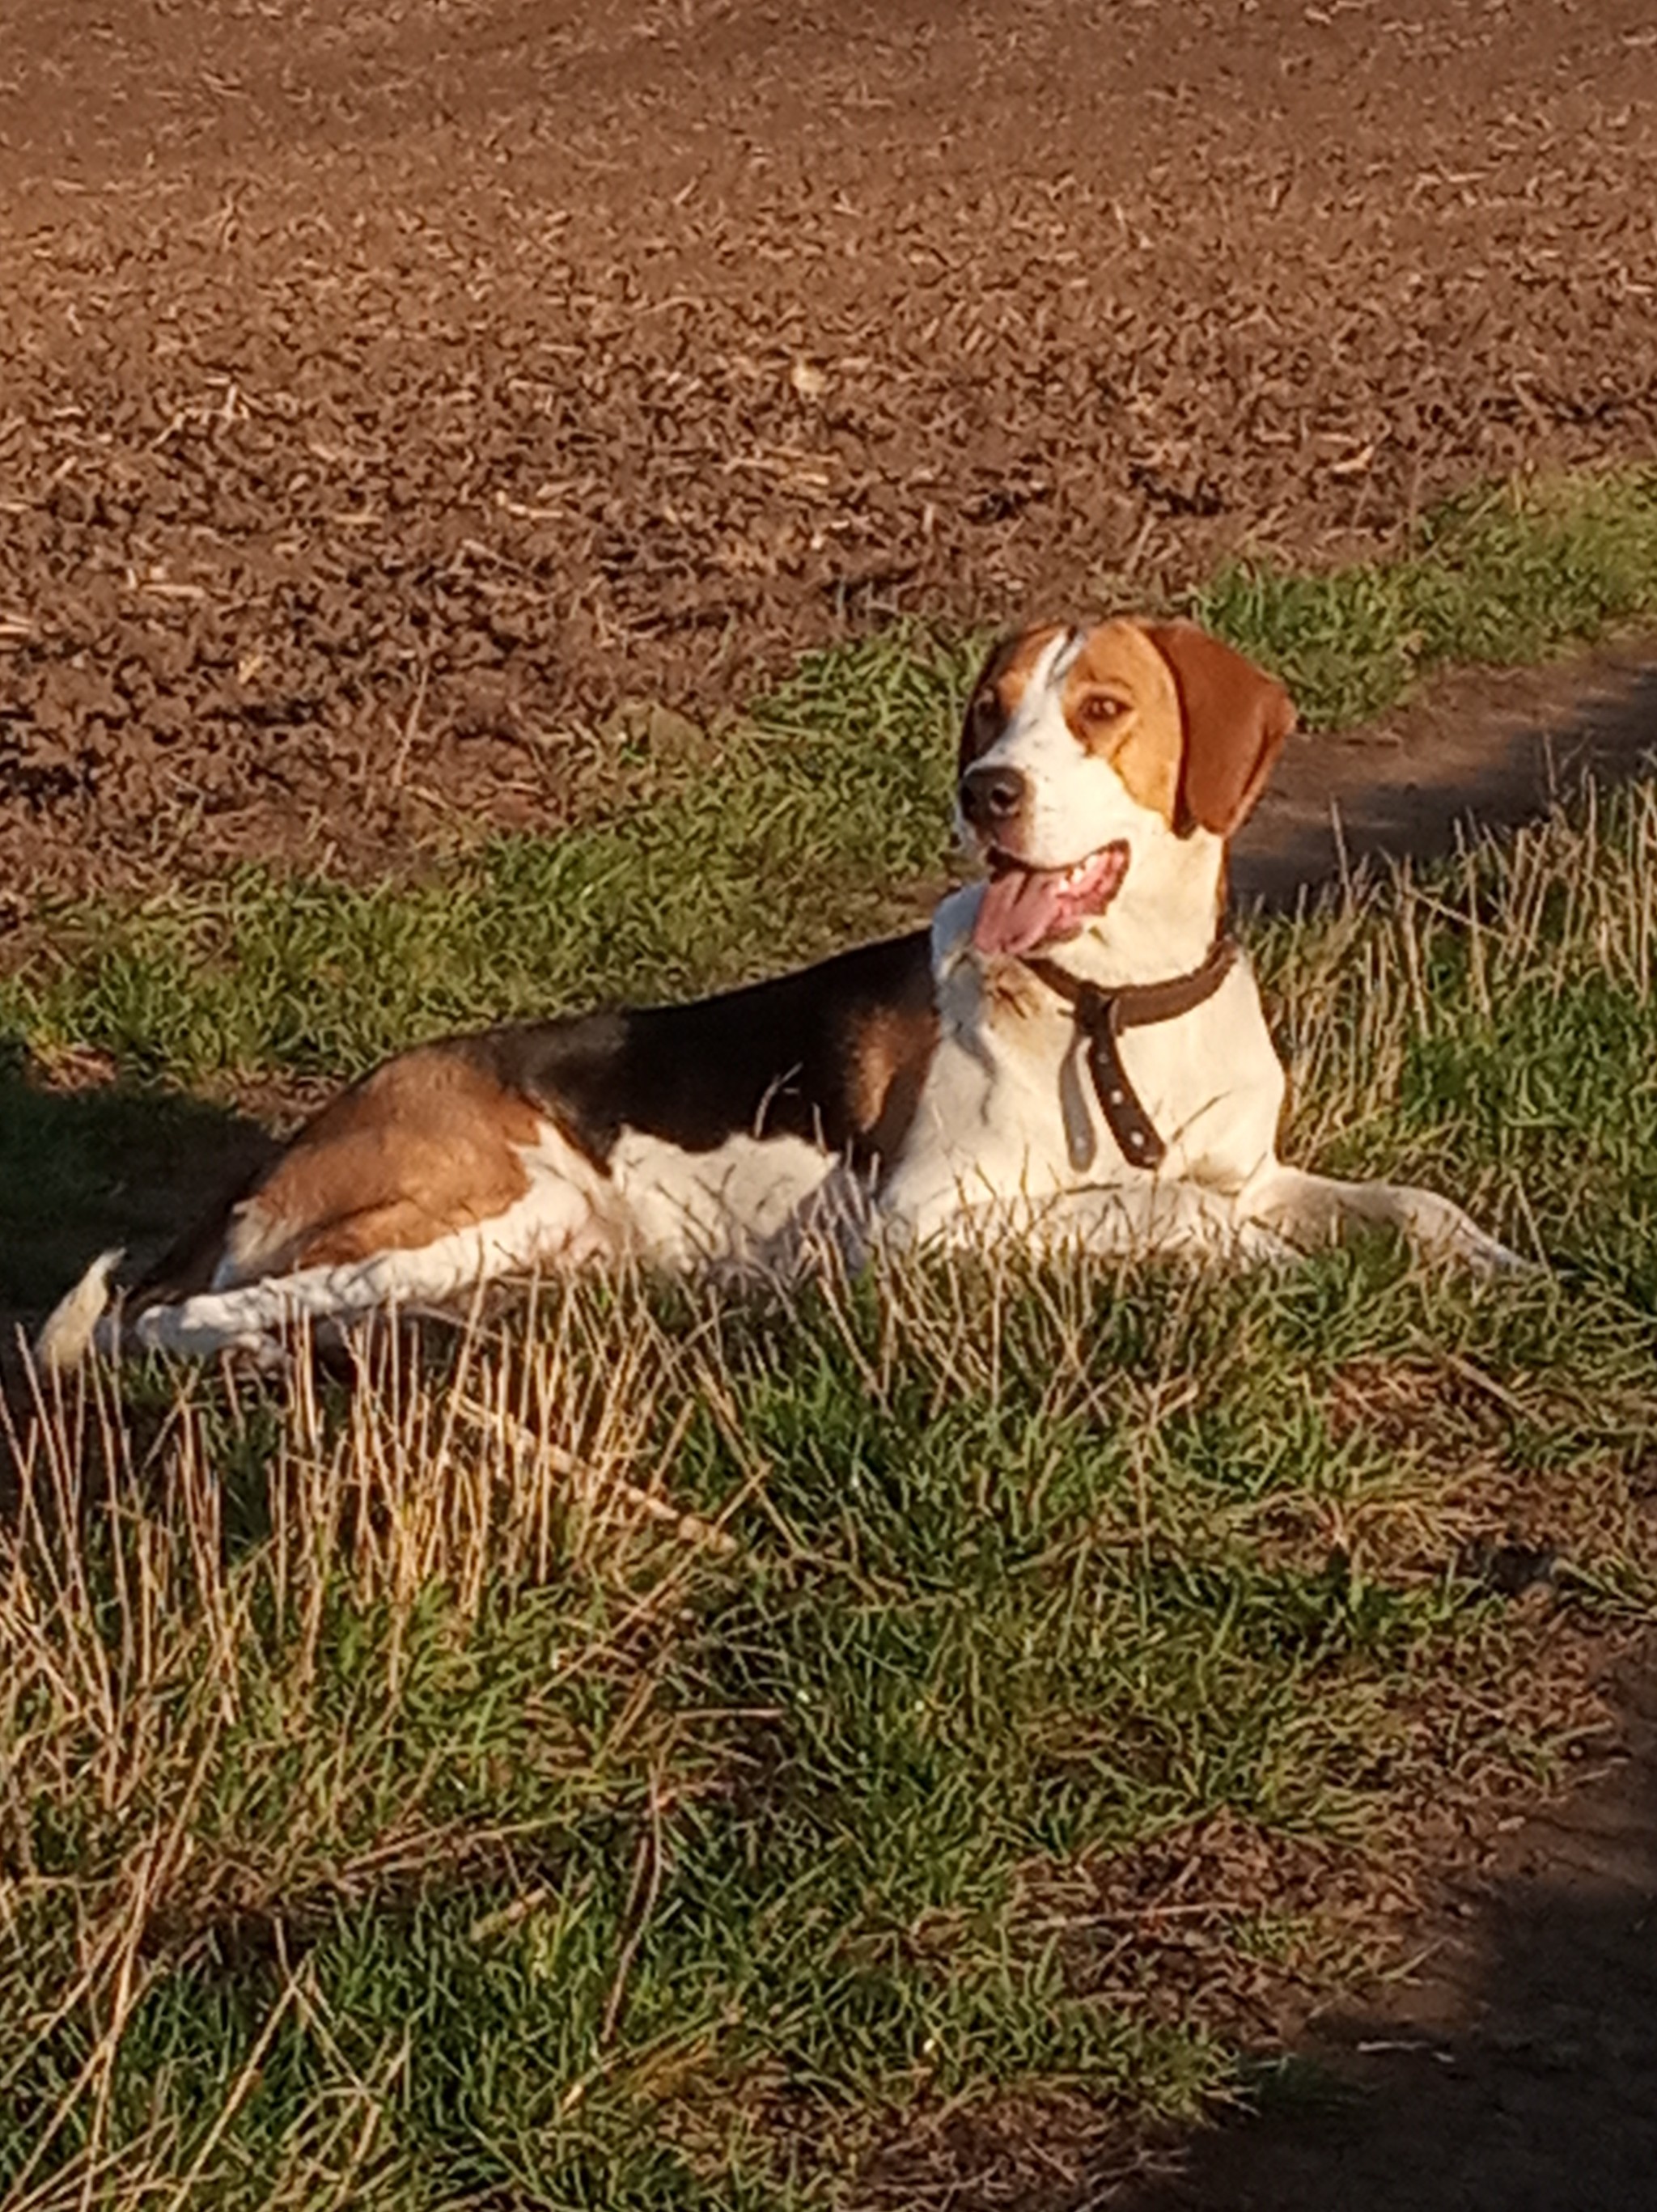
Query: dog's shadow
x=127 y=1163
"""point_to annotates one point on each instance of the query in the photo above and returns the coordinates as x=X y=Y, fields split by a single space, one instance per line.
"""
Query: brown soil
x=388 y=388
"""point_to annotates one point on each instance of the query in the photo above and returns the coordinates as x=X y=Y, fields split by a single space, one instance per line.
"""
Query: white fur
x=727 y=1207
x=71 y=1327
x=1008 y=1113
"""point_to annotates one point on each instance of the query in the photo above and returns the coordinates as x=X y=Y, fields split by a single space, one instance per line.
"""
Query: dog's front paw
x=1487 y=1255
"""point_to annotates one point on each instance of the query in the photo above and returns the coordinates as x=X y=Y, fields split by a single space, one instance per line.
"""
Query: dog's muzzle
x=991 y=798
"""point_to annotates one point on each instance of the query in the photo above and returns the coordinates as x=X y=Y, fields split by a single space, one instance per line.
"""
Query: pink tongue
x=1019 y=910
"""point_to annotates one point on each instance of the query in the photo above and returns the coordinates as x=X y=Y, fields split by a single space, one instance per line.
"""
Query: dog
x=1075 y=1052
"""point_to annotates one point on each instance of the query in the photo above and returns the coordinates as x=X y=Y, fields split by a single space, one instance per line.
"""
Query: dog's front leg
x=1154 y=1215
x=1137 y=1219
x=1311 y=1210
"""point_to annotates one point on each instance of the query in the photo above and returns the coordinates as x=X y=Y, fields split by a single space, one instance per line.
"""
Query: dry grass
x=664 y=1750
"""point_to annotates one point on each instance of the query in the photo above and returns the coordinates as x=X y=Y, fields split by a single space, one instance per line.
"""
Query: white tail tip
x=66 y=1335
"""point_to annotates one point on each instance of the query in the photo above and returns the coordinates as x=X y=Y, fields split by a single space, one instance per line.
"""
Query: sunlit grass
x=666 y=1751
x=823 y=817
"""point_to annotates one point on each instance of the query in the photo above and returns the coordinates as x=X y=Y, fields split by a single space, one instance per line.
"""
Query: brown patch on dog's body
x=892 y=1047
x=427 y=1145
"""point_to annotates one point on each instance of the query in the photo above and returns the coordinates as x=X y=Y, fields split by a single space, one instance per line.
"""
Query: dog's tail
x=71 y=1330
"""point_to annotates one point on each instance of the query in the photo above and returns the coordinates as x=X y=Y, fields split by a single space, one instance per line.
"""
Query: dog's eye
x=985 y=710
x=1099 y=706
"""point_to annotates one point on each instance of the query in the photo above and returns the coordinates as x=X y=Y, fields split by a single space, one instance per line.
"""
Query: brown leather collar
x=1101 y=1015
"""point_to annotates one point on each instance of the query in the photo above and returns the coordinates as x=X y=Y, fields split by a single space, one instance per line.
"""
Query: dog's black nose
x=992 y=796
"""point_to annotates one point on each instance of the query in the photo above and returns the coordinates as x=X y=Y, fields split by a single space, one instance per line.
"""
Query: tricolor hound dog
x=1075 y=1050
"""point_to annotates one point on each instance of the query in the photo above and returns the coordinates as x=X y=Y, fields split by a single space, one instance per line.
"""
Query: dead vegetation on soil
x=357 y=465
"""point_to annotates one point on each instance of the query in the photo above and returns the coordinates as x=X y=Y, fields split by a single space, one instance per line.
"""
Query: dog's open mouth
x=1023 y=907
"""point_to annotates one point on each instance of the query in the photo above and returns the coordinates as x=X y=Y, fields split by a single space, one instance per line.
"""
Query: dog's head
x=1093 y=761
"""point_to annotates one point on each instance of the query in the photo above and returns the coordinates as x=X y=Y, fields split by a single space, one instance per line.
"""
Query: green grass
x=1505 y=577
x=824 y=816
x=402 y=1808
x=401 y=1812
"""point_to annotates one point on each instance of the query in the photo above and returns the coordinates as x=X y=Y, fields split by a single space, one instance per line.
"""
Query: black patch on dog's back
x=833 y=1054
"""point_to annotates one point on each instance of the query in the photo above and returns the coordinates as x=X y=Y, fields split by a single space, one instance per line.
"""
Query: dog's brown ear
x=1236 y=718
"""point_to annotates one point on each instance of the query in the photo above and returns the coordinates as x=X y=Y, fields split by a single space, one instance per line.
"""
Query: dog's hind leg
x=1311 y=1210
x=421 y=1182
x=346 y=1278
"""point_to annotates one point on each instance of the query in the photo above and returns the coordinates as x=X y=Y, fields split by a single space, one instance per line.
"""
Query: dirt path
x=1518 y=2072
x=385 y=389
x=1494 y=746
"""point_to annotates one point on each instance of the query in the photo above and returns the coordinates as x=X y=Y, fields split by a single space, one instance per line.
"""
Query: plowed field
x=389 y=393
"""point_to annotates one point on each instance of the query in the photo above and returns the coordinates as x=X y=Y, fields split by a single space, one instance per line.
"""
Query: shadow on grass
x=118 y=1163
x=1519 y=2075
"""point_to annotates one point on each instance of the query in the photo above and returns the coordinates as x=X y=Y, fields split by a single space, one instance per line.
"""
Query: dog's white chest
x=991 y=1126
x=1010 y=1114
